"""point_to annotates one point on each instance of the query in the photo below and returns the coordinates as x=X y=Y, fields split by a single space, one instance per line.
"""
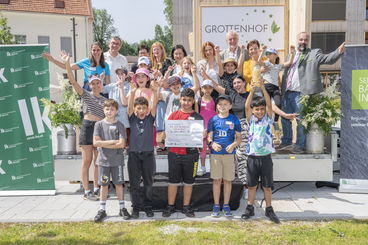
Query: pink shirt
x=207 y=111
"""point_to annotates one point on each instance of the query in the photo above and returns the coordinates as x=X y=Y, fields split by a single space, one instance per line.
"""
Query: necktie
x=292 y=70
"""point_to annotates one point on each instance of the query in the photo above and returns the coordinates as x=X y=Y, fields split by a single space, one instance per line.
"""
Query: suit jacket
x=224 y=54
x=308 y=69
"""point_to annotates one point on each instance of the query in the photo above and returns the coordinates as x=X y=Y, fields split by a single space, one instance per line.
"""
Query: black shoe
x=135 y=214
x=124 y=213
x=168 y=211
x=297 y=150
x=97 y=193
x=149 y=212
x=89 y=196
x=249 y=212
x=271 y=215
x=100 y=215
x=284 y=147
x=188 y=211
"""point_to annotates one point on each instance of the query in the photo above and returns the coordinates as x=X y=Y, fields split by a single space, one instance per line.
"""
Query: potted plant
x=320 y=112
x=65 y=114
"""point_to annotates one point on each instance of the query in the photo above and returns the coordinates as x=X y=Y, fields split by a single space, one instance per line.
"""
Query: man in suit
x=302 y=77
x=233 y=51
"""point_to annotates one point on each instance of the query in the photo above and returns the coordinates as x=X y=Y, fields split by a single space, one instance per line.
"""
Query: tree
x=103 y=28
x=6 y=37
x=169 y=12
x=127 y=49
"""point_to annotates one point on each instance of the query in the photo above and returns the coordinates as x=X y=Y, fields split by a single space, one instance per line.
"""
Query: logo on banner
x=37 y=56
x=39 y=164
x=4 y=97
x=18 y=69
x=10 y=162
x=38 y=73
x=6 y=146
x=22 y=85
x=39 y=180
x=359 y=90
x=13 y=53
x=1 y=170
x=13 y=177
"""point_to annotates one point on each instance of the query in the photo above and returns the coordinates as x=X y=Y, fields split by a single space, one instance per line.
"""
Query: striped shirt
x=93 y=105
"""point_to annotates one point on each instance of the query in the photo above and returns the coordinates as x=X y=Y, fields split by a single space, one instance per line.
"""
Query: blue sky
x=135 y=20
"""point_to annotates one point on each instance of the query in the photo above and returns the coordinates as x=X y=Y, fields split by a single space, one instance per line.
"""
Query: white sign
x=264 y=23
x=184 y=133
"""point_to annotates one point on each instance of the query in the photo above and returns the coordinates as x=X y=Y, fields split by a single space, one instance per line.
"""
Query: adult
x=158 y=58
x=253 y=48
x=93 y=103
x=233 y=51
x=302 y=77
x=94 y=64
x=114 y=59
x=177 y=54
x=143 y=50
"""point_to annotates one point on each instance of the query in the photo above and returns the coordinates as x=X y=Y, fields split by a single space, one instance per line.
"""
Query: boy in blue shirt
x=224 y=134
x=260 y=146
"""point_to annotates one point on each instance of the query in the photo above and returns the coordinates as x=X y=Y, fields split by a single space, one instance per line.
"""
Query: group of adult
x=302 y=77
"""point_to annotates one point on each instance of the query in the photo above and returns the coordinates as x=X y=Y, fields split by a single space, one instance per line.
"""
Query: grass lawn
x=172 y=232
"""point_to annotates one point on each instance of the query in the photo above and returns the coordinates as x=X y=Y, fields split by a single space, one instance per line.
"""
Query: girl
x=206 y=107
x=186 y=75
x=177 y=54
x=158 y=58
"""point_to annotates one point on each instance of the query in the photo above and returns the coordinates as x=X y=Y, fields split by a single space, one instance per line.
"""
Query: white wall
x=55 y=26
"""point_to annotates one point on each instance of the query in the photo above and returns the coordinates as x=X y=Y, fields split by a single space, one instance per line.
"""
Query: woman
x=95 y=64
x=177 y=54
x=93 y=103
x=254 y=51
x=158 y=58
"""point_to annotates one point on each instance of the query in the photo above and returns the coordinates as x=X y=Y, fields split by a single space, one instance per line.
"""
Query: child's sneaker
x=201 y=171
x=124 y=213
x=90 y=196
x=188 y=211
x=100 y=215
x=249 y=211
x=226 y=210
x=216 y=211
x=271 y=215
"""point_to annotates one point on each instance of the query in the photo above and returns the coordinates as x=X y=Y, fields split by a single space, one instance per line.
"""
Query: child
x=188 y=75
x=259 y=149
x=141 y=161
x=206 y=107
x=109 y=138
x=182 y=161
x=224 y=134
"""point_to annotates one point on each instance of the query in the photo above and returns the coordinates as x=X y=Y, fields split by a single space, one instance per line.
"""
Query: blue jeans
x=160 y=116
x=290 y=104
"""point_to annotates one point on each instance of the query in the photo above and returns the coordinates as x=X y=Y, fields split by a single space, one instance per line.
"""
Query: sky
x=135 y=20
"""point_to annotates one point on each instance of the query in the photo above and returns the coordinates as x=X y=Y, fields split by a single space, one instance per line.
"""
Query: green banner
x=359 y=90
x=26 y=161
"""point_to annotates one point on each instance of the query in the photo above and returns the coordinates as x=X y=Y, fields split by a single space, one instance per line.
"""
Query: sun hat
x=231 y=60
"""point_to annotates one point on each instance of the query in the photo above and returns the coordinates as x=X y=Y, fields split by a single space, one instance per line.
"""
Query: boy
x=224 y=134
x=182 y=161
x=141 y=161
x=259 y=149
x=109 y=138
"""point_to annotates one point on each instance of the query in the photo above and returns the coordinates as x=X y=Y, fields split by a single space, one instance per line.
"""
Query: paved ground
x=299 y=201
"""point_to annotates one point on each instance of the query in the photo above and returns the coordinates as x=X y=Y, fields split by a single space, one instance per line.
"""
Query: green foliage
x=274 y=27
x=323 y=109
x=6 y=37
x=127 y=49
x=66 y=112
x=103 y=27
x=168 y=11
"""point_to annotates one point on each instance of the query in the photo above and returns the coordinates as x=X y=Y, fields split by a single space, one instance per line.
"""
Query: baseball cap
x=224 y=96
x=272 y=50
x=143 y=60
x=174 y=79
x=93 y=77
x=207 y=82
x=122 y=68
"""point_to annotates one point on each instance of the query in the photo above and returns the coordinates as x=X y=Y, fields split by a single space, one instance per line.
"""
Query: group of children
x=222 y=135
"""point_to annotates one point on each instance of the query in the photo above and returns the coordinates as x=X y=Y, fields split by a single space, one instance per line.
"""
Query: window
x=4 y=1
x=328 y=9
x=66 y=44
x=59 y=4
x=328 y=42
x=20 y=39
x=44 y=40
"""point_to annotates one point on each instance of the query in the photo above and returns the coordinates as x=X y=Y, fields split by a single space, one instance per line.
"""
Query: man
x=114 y=59
x=302 y=77
x=143 y=51
x=233 y=51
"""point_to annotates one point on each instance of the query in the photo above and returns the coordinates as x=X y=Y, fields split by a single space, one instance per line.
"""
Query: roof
x=72 y=7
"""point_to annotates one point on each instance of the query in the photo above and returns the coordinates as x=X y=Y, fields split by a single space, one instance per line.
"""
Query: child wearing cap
x=206 y=108
x=259 y=148
x=224 y=134
x=92 y=104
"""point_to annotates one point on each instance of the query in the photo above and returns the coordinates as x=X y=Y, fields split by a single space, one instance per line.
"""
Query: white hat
x=207 y=82
x=143 y=60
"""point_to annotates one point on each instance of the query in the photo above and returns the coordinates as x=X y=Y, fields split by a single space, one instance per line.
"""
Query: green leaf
x=274 y=27
x=270 y=15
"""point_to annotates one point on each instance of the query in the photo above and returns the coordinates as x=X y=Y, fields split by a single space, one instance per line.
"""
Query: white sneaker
x=201 y=171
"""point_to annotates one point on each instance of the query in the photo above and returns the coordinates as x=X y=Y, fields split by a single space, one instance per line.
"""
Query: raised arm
x=66 y=60
x=123 y=98
x=196 y=85
x=260 y=57
x=267 y=99
x=51 y=59
x=133 y=89
x=241 y=60
x=248 y=102
x=218 y=61
x=155 y=88
x=291 y=57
